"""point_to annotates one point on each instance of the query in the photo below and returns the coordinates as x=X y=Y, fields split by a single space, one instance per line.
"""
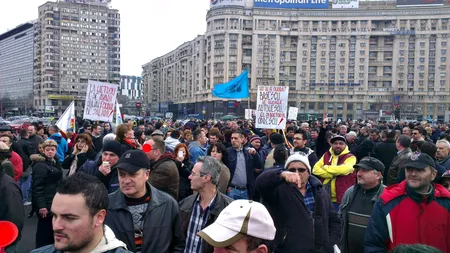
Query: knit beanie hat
x=298 y=158
x=254 y=137
x=113 y=146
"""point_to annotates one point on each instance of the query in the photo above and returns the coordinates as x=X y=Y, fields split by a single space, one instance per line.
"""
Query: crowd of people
x=213 y=186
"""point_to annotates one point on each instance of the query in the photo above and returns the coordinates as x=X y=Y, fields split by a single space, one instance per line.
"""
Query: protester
x=173 y=140
x=398 y=163
x=79 y=211
x=244 y=164
x=125 y=136
x=185 y=166
x=300 y=207
x=219 y=152
x=96 y=137
x=11 y=207
x=197 y=147
x=299 y=141
x=63 y=148
x=445 y=180
x=164 y=174
x=46 y=175
x=357 y=204
x=243 y=226
x=275 y=139
x=34 y=139
x=414 y=211
x=443 y=153
x=5 y=155
x=335 y=167
x=147 y=208
x=82 y=151
x=15 y=159
x=203 y=207
x=386 y=150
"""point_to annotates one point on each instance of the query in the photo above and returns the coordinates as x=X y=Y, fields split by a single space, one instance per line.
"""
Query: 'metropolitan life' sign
x=292 y=4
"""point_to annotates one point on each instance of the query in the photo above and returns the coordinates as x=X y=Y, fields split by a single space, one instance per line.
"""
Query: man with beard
x=415 y=211
x=79 y=211
x=357 y=204
x=336 y=169
x=300 y=140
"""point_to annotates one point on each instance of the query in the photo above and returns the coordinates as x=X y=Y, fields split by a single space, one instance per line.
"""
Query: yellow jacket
x=330 y=172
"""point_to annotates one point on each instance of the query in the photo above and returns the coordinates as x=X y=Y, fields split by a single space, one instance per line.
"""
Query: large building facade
x=16 y=70
x=76 y=41
x=348 y=63
x=131 y=86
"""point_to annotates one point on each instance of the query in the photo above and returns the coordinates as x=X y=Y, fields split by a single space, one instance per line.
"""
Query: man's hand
x=105 y=169
x=251 y=151
x=292 y=178
x=43 y=212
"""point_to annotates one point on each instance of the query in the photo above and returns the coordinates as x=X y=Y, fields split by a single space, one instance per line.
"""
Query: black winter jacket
x=185 y=170
x=297 y=229
x=11 y=208
x=162 y=231
x=82 y=158
x=385 y=151
x=46 y=175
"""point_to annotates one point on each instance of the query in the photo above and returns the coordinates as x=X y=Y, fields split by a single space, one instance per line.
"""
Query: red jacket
x=402 y=216
x=18 y=165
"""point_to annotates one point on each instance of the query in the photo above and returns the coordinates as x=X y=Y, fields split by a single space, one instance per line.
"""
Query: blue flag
x=236 y=88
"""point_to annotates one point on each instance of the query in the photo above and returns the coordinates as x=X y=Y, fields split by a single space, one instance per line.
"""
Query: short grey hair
x=211 y=167
x=351 y=133
x=444 y=141
x=109 y=137
x=304 y=124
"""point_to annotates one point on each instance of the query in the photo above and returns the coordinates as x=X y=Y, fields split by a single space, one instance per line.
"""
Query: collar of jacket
x=345 y=151
x=218 y=205
x=118 y=202
x=406 y=150
x=419 y=198
x=381 y=187
x=445 y=160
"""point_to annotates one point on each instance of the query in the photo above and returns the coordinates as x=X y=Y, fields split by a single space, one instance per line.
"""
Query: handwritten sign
x=293 y=111
x=100 y=101
x=271 y=107
x=249 y=113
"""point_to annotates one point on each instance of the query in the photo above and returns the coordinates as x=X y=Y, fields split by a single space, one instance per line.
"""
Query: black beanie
x=113 y=146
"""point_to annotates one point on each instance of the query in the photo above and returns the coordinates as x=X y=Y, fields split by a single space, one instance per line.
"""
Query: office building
x=76 y=41
x=348 y=62
x=131 y=86
x=16 y=70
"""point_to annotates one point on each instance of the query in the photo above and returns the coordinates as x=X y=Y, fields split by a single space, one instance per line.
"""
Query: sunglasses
x=301 y=170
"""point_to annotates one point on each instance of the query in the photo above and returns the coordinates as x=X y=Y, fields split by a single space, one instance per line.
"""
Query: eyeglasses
x=200 y=175
x=415 y=133
x=298 y=139
x=301 y=170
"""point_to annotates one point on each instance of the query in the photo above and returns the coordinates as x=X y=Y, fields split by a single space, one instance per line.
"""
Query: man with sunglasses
x=301 y=208
x=358 y=201
x=415 y=211
x=202 y=208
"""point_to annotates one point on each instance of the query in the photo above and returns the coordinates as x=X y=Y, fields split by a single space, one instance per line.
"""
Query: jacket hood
x=37 y=158
x=171 y=141
x=345 y=151
x=56 y=137
x=196 y=144
x=108 y=242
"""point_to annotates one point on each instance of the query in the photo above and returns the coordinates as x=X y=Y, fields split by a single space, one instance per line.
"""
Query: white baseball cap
x=238 y=219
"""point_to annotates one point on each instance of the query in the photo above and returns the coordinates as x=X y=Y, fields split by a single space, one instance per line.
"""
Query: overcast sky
x=149 y=28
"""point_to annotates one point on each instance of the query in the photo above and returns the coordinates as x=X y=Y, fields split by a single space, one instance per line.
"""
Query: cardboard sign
x=293 y=111
x=100 y=101
x=271 y=107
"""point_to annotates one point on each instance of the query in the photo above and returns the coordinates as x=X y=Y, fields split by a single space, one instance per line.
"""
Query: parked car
x=19 y=124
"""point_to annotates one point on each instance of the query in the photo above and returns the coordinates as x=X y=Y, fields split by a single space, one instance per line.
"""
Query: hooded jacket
x=62 y=145
x=397 y=164
x=108 y=244
x=196 y=150
x=338 y=171
x=171 y=143
x=403 y=216
x=164 y=175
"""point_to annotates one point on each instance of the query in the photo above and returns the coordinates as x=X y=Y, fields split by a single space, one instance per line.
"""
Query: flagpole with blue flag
x=235 y=89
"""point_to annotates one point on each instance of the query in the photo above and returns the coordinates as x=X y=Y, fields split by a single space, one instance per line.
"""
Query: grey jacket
x=349 y=195
x=162 y=229
x=397 y=164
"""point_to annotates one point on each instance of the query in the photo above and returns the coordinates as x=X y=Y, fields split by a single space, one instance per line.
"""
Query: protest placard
x=293 y=111
x=100 y=101
x=249 y=113
x=271 y=107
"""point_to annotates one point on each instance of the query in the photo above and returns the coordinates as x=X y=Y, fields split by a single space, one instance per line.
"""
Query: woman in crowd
x=46 y=175
x=125 y=136
x=107 y=128
x=82 y=151
x=219 y=152
x=181 y=153
x=187 y=137
x=139 y=136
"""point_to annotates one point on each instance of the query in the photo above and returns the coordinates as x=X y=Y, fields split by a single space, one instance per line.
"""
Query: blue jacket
x=111 y=181
x=196 y=150
x=252 y=162
x=63 y=148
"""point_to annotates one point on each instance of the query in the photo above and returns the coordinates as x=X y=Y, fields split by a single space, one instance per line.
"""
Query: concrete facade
x=349 y=64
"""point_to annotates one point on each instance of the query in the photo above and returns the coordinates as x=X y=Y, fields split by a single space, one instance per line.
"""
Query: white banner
x=293 y=111
x=271 y=108
x=345 y=4
x=67 y=120
x=100 y=101
x=218 y=3
x=249 y=113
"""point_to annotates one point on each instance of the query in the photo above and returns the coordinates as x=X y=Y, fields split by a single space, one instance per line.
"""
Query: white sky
x=149 y=28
